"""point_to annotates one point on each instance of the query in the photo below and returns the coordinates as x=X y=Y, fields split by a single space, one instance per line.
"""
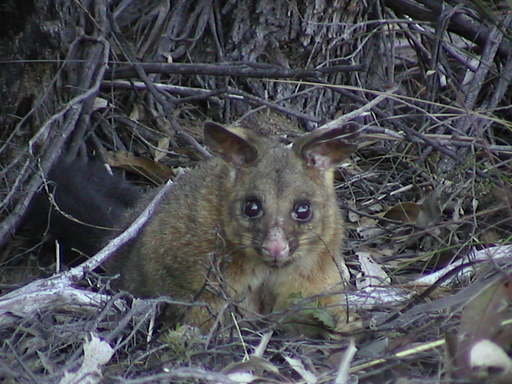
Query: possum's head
x=280 y=200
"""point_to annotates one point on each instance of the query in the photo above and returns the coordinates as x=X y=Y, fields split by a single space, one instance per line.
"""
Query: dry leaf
x=156 y=172
x=242 y=377
x=96 y=354
x=482 y=316
x=484 y=334
x=297 y=365
x=256 y=364
x=406 y=212
x=368 y=228
x=486 y=356
x=162 y=148
x=352 y=216
x=99 y=103
x=422 y=215
x=372 y=273
x=430 y=212
x=136 y=112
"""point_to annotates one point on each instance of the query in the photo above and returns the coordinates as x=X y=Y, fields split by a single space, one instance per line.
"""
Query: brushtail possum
x=259 y=224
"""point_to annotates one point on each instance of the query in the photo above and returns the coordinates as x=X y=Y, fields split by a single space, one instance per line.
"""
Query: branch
x=460 y=23
x=237 y=70
x=358 y=112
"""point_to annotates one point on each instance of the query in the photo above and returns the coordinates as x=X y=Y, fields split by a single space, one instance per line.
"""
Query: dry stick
x=228 y=69
x=377 y=133
x=32 y=297
x=128 y=51
x=157 y=33
x=503 y=83
x=204 y=93
x=424 y=138
x=416 y=349
x=216 y=28
x=237 y=94
x=428 y=291
x=358 y=112
x=471 y=124
x=183 y=373
x=460 y=23
x=464 y=59
x=44 y=96
x=442 y=149
x=139 y=85
x=471 y=90
x=166 y=100
x=342 y=376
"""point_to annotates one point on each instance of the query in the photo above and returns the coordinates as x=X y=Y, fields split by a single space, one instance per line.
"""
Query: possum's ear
x=231 y=146
x=324 y=148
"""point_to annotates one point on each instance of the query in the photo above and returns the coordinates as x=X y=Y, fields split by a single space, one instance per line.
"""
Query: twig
x=358 y=112
x=184 y=373
x=262 y=346
x=460 y=23
x=435 y=139
x=232 y=93
x=229 y=69
x=343 y=370
x=408 y=352
x=139 y=85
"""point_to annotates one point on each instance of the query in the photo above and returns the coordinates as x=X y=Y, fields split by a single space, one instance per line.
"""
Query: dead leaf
x=254 y=364
x=96 y=354
x=422 y=215
x=486 y=357
x=368 y=228
x=503 y=196
x=137 y=112
x=485 y=329
x=352 y=216
x=161 y=148
x=406 y=212
x=99 y=103
x=153 y=171
x=308 y=317
x=482 y=316
x=430 y=212
x=298 y=367
x=372 y=273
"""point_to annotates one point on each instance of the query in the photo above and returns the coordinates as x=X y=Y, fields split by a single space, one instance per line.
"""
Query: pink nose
x=276 y=245
x=277 y=250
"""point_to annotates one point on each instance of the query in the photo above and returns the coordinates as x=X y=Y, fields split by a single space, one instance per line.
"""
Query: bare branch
x=229 y=69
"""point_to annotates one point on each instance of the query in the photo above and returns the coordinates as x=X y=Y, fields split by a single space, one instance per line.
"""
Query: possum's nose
x=275 y=247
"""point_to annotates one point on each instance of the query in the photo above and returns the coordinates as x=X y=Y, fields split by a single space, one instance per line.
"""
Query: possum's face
x=280 y=204
x=280 y=210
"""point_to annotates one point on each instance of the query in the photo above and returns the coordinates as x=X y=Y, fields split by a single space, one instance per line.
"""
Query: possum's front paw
x=318 y=317
x=345 y=320
x=347 y=323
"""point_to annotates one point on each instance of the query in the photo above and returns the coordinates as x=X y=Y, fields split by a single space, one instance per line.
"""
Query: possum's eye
x=252 y=208
x=302 y=211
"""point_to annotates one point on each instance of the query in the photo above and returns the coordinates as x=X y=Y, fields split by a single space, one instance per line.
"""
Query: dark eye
x=302 y=211
x=252 y=208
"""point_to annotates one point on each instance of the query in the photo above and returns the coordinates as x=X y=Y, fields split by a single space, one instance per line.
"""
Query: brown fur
x=201 y=229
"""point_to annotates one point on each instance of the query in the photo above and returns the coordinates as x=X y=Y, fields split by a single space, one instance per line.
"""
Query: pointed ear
x=326 y=147
x=230 y=146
